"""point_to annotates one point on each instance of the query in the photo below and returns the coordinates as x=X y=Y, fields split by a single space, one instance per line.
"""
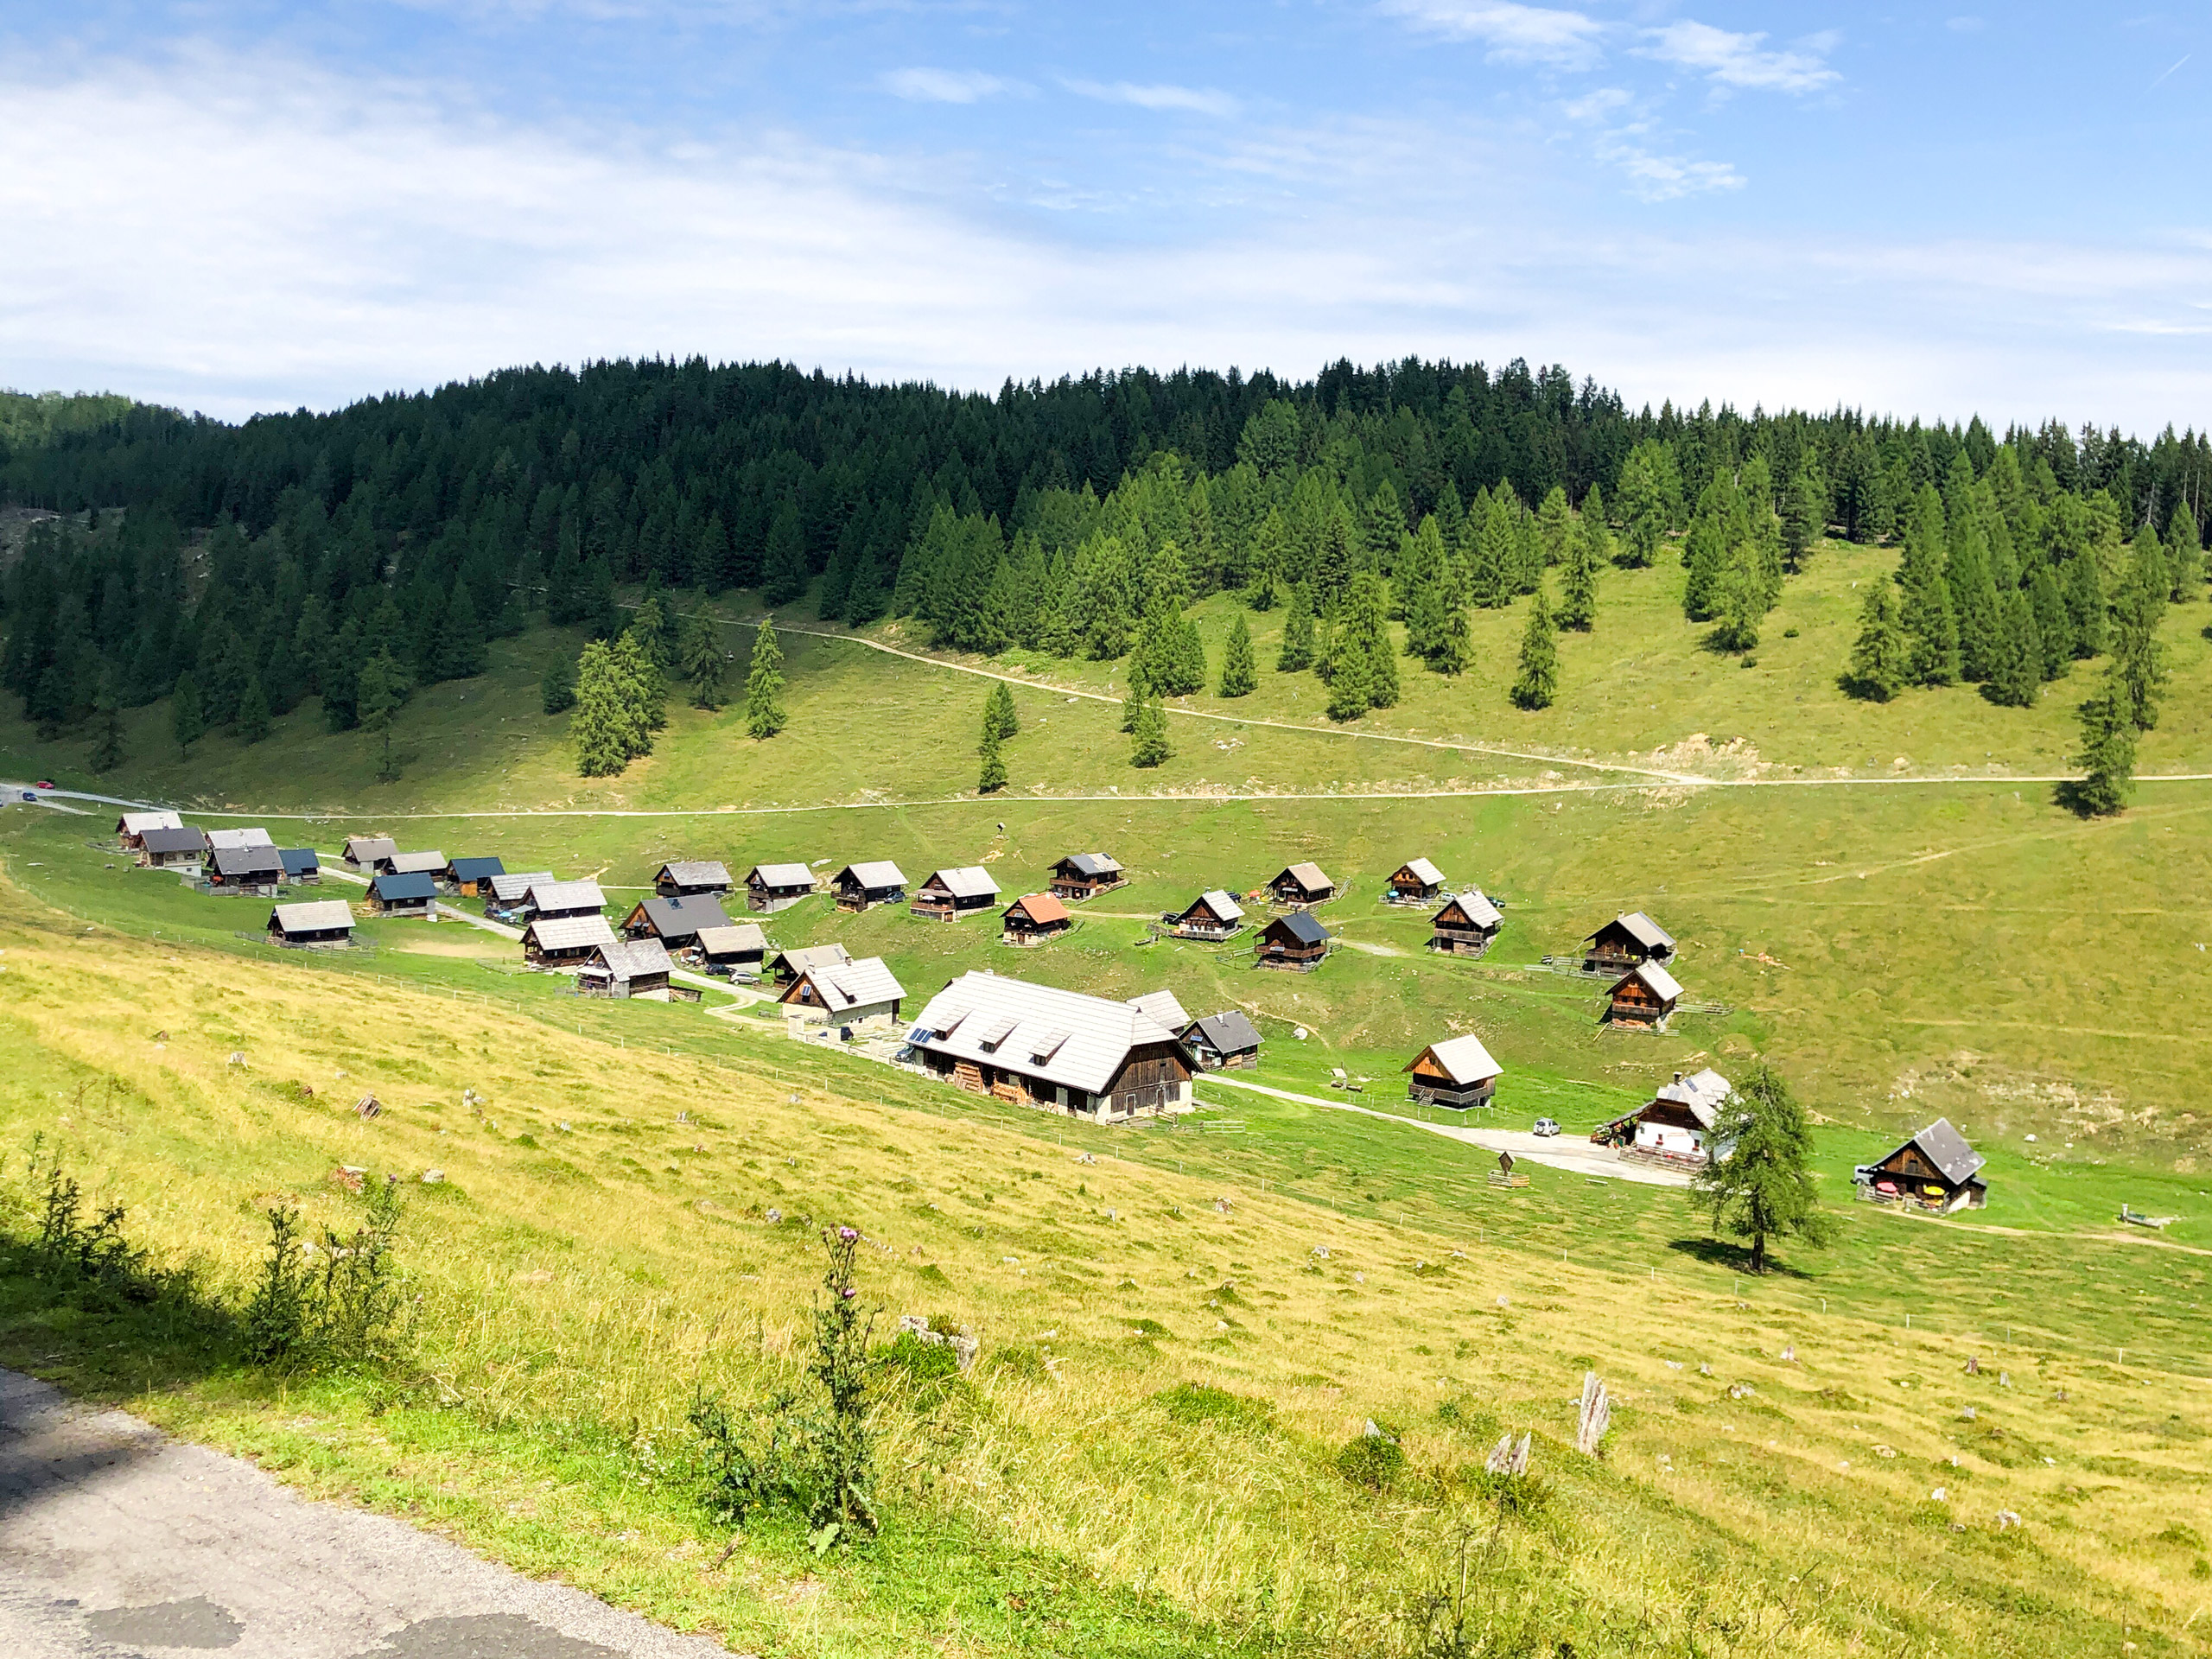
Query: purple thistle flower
x=847 y=1234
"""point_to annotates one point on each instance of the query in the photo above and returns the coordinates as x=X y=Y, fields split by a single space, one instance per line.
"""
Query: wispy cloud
x=1740 y=60
x=1194 y=100
x=946 y=86
x=1653 y=176
x=1513 y=33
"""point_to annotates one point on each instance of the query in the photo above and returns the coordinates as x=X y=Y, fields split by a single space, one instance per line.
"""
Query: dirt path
x=115 y=1540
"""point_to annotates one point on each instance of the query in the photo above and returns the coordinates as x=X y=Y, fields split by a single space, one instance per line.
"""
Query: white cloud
x=1513 y=33
x=1654 y=177
x=1740 y=60
x=944 y=85
x=1597 y=106
x=1195 y=100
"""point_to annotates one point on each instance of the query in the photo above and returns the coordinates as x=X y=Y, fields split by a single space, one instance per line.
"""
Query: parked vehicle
x=1546 y=1126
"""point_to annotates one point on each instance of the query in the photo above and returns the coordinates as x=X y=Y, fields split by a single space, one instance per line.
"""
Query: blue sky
x=244 y=207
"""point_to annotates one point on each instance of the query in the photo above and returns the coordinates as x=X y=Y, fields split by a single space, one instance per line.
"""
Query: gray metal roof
x=1220 y=903
x=633 y=958
x=567 y=895
x=1064 y=1038
x=1225 y=1032
x=1301 y=927
x=1091 y=864
x=366 y=850
x=860 y=984
x=781 y=875
x=968 y=881
x=1464 y=1060
x=183 y=839
x=1424 y=872
x=681 y=918
x=1703 y=1092
x=1661 y=983
x=1946 y=1149
x=417 y=863
x=256 y=837
x=881 y=872
x=1645 y=931
x=515 y=884
x=1308 y=876
x=298 y=860
x=697 y=872
x=247 y=861
x=319 y=916
x=1478 y=909
x=738 y=939
x=415 y=884
x=137 y=823
x=808 y=956
x=570 y=932
x=1163 y=1007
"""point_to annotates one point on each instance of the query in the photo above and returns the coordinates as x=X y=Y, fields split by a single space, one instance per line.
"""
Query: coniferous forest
x=353 y=555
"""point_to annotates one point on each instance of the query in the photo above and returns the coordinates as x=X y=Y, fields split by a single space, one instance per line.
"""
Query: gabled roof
x=137 y=823
x=881 y=872
x=694 y=872
x=1478 y=909
x=808 y=956
x=633 y=958
x=1091 y=864
x=1040 y=907
x=1703 y=1092
x=319 y=916
x=1424 y=872
x=567 y=895
x=366 y=850
x=842 y=985
x=247 y=861
x=512 y=884
x=1220 y=903
x=968 y=881
x=1645 y=931
x=1308 y=876
x=735 y=940
x=298 y=860
x=1064 y=1038
x=476 y=870
x=1462 y=1059
x=1657 y=980
x=780 y=875
x=1224 y=1033
x=183 y=839
x=1163 y=1008
x=413 y=884
x=256 y=837
x=1946 y=1149
x=1301 y=927
x=681 y=918
x=413 y=863
x=570 y=932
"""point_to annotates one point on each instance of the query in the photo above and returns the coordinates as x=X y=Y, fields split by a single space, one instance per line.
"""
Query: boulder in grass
x=368 y=1106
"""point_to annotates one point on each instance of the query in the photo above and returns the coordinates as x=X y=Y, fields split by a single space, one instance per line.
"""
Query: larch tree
x=2054 y=625
x=1595 y=529
x=763 y=684
x=1553 y=522
x=1538 y=683
x=1804 y=512
x=1759 y=1184
x=1239 y=671
x=1881 y=658
x=1148 y=745
x=383 y=686
x=990 y=776
x=999 y=711
x=252 y=723
x=1743 y=601
x=2017 y=675
x=2185 y=552
x=1643 y=509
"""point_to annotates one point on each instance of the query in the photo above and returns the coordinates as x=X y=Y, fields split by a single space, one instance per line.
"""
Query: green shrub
x=1372 y=1461
x=1201 y=1402
x=928 y=1370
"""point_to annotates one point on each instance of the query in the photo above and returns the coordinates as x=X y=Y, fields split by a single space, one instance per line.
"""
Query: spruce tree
x=253 y=723
x=1553 y=524
x=1348 y=687
x=186 y=722
x=704 y=662
x=1743 y=602
x=1455 y=651
x=1881 y=659
x=786 y=573
x=999 y=711
x=1929 y=620
x=1975 y=596
x=990 y=776
x=461 y=644
x=1804 y=513
x=648 y=696
x=106 y=754
x=763 y=684
x=1297 y=651
x=1577 y=602
x=1239 y=672
x=1642 y=508
x=2017 y=675
x=1538 y=681
x=600 y=726
x=1367 y=635
x=1497 y=561
x=1704 y=552
x=2085 y=603
x=2107 y=753
x=385 y=683
x=2054 y=625
x=2185 y=553
x=1763 y=1189
x=2137 y=656
x=1148 y=745
x=556 y=687
x=1595 y=529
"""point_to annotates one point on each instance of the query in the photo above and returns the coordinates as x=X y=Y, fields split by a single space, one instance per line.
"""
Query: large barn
x=1061 y=1051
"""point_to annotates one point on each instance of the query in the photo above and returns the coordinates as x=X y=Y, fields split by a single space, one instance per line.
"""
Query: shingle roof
x=567 y=895
x=968 y=881
x=1040 y=907
x=1424 y=872
x=1225 y=1032
x=137 y=823
x=570 y=932
x=516 y=884
x=1221 y=904
x=319 y=916
x=1064 y=1038
x=808 y=956
x=680 y=919
x=1703 y=1092
x=696 y=873
x=1645 y=931
x=255 y=837
x=736 y=940
x=298 y=860
x=183 y=839
x=1657 y=979
x=881 y=872
x=1464 y=1060
x=1478 y=909
x=1946 y=1149
x=860 y=984
x=366 y=850
x=1163 y=1008
x=1308 y=876
x=415 y=884
x=247 y=861
x=1301 y=927
x=781 y=875
x=633 y=958
x=1091 y=864
x=476 y=870
x=415 y=863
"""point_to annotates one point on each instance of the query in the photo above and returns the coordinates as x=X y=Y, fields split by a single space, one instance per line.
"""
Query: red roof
x=1041 y=908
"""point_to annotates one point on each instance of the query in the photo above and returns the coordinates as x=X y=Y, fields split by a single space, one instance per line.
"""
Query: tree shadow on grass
x=1737 y=1258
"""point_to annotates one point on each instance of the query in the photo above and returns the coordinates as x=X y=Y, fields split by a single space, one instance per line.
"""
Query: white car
x=1546 y=1126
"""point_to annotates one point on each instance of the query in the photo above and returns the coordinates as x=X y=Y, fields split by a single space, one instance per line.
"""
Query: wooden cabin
x=1645 y=995
x=1622 y=943
x=740 y=947
x=471 y=877
x=771 y=887
x=507 y=892
x=182 y=848
x=303 y=866
x=1416 y=881
x=1937 y=1171
x=430 y=862
x=1675 y=1126
x=1293 y=941
x=631 y=969
x=1302 y=885
x=863 y=887
x=323 y=922
x=363 y=852
x=1467 y=926
x=1212 y=915
x=564 y=941
x=1052 y=1050
x=551 y=899
x=950 y=894
x=787 y=965
x=684 y=877
x=1223 y=1041
x=221 y=840
x=851 y=994
x=1458 y=1072
x=1084 y=875
x=675 y=922
x=130 y=828
x=1033 y=919
x=257 y=870
x=402 y=895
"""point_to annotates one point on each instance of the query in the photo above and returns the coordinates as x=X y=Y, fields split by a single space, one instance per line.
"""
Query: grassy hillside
x=591 y=1255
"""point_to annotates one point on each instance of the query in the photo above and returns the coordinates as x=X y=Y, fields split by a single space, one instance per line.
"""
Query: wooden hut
x=771 y=887
x=508 y=892
x=1292 y=941
x=182 y=848
x=1675 y=1126
x=1456 y=1072
x=323 y=922
x=1645 y=995
x=564 y=941
x=130 y=828
x=856 y=993
x=1033 y=919
x=256 y=870
x=218 y=840
x=739 y=947
x=303 y=866
x=1224 y=1040
x=863 y=887
x=949 y=894
x=1622 y=943
x=1053 y=1050
x=1212 y=915
x=675 y=922
x=683 y=878
x=1467 y=926
x=363 y=852
x=430 y=862
x=1936 y=1170
x=551 y=899
x=471 y=877
x=632 y=969
x=1302 y=885
x=1416 y=881
x=1084 y=875
x=787 y=965
x=402 y=895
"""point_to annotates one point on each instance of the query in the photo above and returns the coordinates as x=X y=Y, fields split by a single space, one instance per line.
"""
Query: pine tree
x=1743 y=602
x=2017 y=675
x=1595 y=529
x=2054 y=625
x=385 y=683
x=1455 y=652
x=2107 y=753
x=763 y=684
x=1881 y=659
x=1764 y=1188
x=1577 y=602
x=999 y=712
x=1643 y=507
x=556 y=687
x=461 y=644
x=1929 y=620
x=1538 y=681
x=1348 y=687
x=786 y=556
x=600 y=724
x=2085 y=603
x=186 y=722
x=106 y=754
x=2137 y=656
x=1367 y=636
x=1553 y=525
x=1804 y=513
x=1239 y=672
x=1297 y=651
x=990 y=776
x=253 y=723
x=1148 y=745
x=2185 y=553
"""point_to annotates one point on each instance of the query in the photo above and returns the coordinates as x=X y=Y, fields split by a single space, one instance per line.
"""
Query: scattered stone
x=1739 y=1390
x=1789 y=1354
x=1595 y=1418
x=775 y=1217
x=1969 y=1414
x=1884 y=1451
x=1974 y=1364
x=434 y=1177
x=1938 y=1496
x=1503 y=1302
x=1704 y=1370
x=1223 y=1205
x=1674 y=1364
x=1509 y=1457
x=2006 y=1520
x=348 y=1176
x=237 y=1058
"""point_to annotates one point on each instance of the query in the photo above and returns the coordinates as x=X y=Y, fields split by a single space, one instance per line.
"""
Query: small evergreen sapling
x=999 y=711
x=1239 y=672
x=1297 y=652
x=1577 y=601
x=186 y=724
x=1148 y=745
x=556 y=687
x=2107 y=753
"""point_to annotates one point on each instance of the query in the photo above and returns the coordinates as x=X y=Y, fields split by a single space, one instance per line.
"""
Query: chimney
x=1678 y=1076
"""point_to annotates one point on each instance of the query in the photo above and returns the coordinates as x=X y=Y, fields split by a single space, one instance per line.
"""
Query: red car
x=44 y=783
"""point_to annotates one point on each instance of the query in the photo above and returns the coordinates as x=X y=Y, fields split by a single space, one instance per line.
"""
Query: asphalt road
x=116 y=1542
